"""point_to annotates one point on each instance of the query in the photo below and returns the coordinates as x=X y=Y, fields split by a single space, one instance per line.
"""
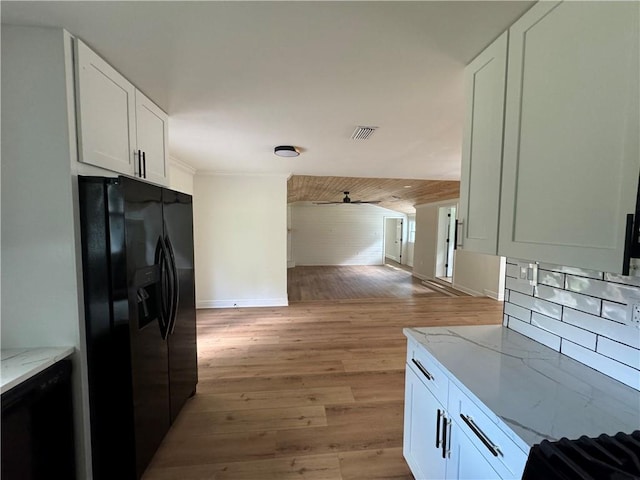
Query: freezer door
x=147 y=288
x=183 y=362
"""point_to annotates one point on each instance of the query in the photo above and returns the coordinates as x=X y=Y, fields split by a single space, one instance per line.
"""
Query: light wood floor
x=351 y=282
x=311 y=391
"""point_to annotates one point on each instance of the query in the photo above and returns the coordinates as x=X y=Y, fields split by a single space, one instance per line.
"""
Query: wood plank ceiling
x=400 y=195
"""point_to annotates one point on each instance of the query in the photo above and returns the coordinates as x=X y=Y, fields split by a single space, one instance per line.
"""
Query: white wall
x=180 y=176
x=425 y=248
x=473 y=273
x=478 y=274
x=41 y=305
x=240 y=227
x=410 y=243
x=338 y=234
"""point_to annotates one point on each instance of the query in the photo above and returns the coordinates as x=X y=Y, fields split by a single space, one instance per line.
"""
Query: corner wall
x=180 y=176
x=41 y=261
x=240 y=228
x=424 y=250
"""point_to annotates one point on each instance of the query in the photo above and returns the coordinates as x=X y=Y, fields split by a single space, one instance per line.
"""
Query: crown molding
x=213 y=173
x=182 y=165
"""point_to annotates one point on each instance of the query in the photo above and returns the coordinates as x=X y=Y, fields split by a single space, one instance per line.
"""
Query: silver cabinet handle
x=446 y=436
x=424 y=371
x=492 y=447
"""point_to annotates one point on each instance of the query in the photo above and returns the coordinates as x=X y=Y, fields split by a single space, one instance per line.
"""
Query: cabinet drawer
x=423 y=365
x=504 y=456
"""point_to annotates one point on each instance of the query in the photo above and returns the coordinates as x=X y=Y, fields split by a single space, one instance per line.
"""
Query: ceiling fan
x=347 y=199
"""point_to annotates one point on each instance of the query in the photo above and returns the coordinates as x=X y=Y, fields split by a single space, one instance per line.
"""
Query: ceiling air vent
x=363 y=133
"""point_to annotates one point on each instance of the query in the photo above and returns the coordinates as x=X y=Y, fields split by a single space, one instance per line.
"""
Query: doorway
x=446 y=233
x=394 y=240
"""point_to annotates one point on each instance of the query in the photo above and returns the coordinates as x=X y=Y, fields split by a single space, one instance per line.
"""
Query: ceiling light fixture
x=286 y=151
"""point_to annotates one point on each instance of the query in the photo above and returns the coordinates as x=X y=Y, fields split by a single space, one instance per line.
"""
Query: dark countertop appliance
x=137 y=250
x=600 y=458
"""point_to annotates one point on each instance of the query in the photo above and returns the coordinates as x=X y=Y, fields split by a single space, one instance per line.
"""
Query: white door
x=105 y=104
x=485 y=80
x=393 y=239
x=152 y=137
x=571 y=157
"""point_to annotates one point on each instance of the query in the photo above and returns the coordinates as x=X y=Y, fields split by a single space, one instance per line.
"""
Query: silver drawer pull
x=424 y=371
x=492 y=447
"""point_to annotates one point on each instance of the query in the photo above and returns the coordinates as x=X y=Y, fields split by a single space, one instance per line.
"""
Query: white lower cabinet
x=422 y=422
x=446 y=434
x=465 y=461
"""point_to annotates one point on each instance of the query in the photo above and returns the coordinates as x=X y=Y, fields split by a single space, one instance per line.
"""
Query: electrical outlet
x=633 y=312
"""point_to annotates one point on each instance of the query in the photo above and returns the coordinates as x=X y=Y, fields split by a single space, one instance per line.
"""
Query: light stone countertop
x=20 y=364
x=537 y=392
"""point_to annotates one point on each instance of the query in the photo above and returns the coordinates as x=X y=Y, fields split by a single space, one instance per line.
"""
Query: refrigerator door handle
x=175 y=289
x=161 y=261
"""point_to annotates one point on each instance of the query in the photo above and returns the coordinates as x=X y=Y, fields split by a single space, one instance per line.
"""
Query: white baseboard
x=495 y=295
x=420 y=276
x=291 y=264
x=244 y=303
x=469 y=291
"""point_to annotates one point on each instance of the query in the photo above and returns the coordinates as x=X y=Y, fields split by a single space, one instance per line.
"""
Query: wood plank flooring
x=311 y=391
x=351 y=282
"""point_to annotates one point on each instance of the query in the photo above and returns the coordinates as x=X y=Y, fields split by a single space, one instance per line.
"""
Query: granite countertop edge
x=20 y=364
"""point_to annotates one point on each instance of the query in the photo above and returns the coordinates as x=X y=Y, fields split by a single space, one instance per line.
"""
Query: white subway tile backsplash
x=628 y=280
x=505 y=320
x=537 y=334
x=520 y=313
x=569 y=299
x=622 y=353
x=625 y=374
x=571 y=270
x=564 y=330
x=552 y=279
x=521 y=286
x=581 y=313
x=614 y=311
x=513 y=270
x=622 y=333
x=615 y=292
x=536 y=304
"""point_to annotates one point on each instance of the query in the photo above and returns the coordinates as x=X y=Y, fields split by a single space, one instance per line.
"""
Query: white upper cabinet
x=485 y=80
x=571 y=158
x=105 y=105
x=151 y=137
x=119 y=129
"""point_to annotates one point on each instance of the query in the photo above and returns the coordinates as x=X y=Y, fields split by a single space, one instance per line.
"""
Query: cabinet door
x=105 y=104
x=466 y=461
x=151 y=137
x=482 y=148
x=571 y=159
x=421 y=446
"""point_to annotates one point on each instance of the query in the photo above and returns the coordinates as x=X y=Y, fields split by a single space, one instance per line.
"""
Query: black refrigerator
x=139 y=295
